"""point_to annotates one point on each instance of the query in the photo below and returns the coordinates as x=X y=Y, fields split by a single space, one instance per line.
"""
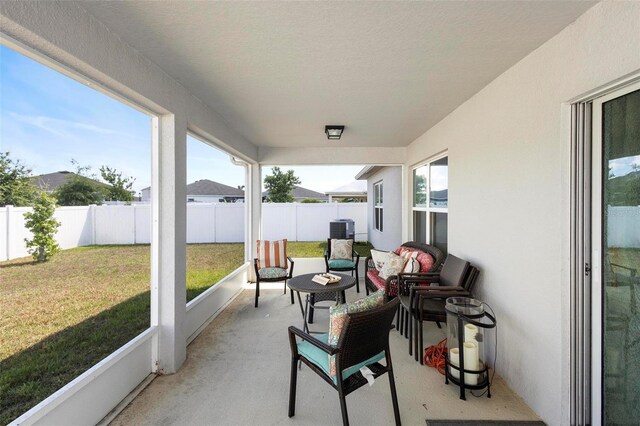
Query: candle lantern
x=467 y=326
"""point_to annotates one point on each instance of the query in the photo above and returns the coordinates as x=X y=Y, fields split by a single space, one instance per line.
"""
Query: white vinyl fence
x=623 y=228
x=206 y=223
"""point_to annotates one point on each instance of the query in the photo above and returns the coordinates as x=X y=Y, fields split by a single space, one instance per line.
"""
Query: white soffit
x=277 y=72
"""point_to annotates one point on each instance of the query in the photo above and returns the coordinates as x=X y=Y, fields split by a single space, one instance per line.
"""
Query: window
x=377 y=206
x=430 y=203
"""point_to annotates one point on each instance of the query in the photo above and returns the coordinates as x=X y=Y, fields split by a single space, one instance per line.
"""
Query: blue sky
x=46 y=119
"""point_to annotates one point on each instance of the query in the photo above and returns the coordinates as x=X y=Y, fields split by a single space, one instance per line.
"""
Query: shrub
x=43 y=226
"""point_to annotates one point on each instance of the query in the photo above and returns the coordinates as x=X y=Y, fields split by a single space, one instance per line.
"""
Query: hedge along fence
x=206 y=223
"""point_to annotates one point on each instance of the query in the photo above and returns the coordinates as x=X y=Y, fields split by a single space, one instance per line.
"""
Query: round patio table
x=304 y=284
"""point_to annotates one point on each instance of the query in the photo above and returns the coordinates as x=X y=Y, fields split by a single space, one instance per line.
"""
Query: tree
x=120 y=189
x=43 y=226
x=280 y=185
x=80 y=190
x=16 y=187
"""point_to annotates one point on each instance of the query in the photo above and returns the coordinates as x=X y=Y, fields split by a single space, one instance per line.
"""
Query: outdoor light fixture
x=333 y=132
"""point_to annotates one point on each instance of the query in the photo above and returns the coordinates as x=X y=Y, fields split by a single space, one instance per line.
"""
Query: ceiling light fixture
x=333 y=132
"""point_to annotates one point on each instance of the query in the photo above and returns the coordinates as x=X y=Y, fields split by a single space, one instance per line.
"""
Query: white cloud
x=60 y=127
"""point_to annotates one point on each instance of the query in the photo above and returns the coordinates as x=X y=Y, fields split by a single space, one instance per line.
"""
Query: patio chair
x=374 y=282
x=452 y=275
x=271 y=265
x=349 y=264
x=364 y=341
x=429 y=305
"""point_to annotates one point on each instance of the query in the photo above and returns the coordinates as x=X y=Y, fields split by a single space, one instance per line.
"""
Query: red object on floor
x=434 y=356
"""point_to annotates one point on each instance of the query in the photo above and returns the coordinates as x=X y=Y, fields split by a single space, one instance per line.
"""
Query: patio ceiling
x=277 y=72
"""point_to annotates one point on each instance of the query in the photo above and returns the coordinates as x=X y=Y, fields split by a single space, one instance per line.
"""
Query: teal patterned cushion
x=319 y=357
x=341 y=264
x=338 y=317
x=271 y=273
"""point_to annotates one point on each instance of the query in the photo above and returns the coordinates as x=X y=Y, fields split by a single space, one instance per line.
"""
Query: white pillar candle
x=454 y=359
x=470 y=332
x=471 y=362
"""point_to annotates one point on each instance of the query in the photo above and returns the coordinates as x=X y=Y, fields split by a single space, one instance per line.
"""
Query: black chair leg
x=292 y=386
x=421 y=346
x=394 y=397
x=312 y=301
x=343 y=408
x=257 y=292
x=409 y=325
x=357 y=282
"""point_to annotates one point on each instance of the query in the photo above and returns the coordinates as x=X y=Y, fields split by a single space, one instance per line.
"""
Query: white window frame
x=378 y=206
x=426 y=208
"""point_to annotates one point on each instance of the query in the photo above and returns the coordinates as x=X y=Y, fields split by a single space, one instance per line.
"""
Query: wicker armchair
x=336 y=265
x=373 y=283
x=427 y=302
x=364 y=337
x=283 y=275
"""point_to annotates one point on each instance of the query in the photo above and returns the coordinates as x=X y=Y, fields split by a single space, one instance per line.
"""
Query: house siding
x=391 y=236
x=509 y=171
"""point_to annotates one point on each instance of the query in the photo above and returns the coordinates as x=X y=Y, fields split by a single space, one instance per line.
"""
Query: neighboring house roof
x=357 y=187
x=302 y=193
x=51 y=181
x=209 y=187
x=367 y=171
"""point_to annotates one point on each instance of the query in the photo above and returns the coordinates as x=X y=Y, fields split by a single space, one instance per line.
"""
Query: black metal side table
x=304 y=284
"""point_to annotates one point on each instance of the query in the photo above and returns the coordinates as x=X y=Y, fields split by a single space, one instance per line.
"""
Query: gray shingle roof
x=302 y=193
x=209 y=187
x=51 y=181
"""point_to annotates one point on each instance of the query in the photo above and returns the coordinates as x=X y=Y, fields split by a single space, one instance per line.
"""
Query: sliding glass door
x=616 y=257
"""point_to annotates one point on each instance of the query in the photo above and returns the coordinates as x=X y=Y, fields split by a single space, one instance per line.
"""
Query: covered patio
x=241 y=361
x=500 y=92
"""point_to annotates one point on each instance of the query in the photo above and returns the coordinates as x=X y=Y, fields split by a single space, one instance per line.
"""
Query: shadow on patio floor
x=237 y=373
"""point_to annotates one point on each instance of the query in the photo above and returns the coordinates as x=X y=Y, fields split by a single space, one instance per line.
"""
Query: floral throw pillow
x=338 y=317
x=393 y=266
x=341 y=249
x=379 y=257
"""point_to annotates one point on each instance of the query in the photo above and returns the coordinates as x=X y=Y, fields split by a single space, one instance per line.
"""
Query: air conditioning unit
x=342 y=229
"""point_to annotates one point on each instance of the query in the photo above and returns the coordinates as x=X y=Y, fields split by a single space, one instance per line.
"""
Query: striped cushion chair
x=272 y=264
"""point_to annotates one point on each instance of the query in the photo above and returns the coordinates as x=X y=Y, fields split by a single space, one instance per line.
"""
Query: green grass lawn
x=61 y=317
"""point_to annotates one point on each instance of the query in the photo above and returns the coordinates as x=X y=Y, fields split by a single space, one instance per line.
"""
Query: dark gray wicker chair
x=336 y=265
x=392 y=282
x=427 y=303
x=340 y=265
x=365 y=335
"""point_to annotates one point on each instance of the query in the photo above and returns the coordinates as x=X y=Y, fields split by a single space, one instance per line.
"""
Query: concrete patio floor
x=237 y=373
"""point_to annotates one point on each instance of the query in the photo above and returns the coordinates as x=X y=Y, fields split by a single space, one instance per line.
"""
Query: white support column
x=253 y=200
x=9 y=212
x=168 y=241
x=406 y=203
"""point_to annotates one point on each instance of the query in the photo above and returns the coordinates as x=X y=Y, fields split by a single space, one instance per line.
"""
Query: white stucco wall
x=391 y=235
x=509 y=192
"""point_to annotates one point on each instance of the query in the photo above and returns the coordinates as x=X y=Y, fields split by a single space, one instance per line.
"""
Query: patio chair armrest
x=294 y=331
x=632 y=271
x=421 y=277
x=439 y=293
x=255 y=265
x=355 y=254
x=368 y=263
x=290 y=267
